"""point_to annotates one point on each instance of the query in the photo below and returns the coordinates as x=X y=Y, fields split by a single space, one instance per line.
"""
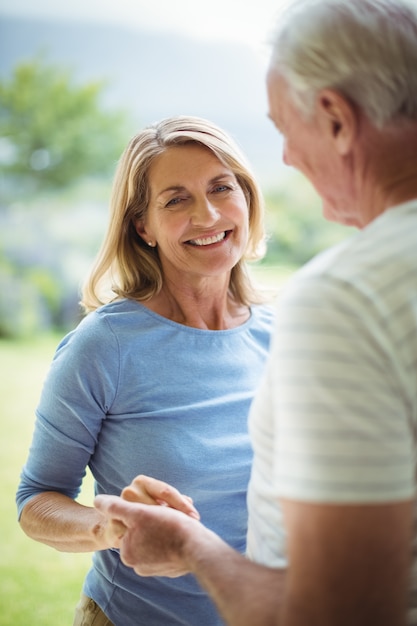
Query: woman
x=158 y=377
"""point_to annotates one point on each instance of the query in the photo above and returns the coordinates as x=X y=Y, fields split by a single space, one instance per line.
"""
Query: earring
x=151 y=243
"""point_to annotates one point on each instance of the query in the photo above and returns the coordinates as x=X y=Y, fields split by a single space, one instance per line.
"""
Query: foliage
x=297 y=230
x=54 y=131
x=46 y=247
x=54 y=135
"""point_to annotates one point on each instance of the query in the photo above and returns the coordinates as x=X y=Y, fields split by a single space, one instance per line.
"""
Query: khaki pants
x=88 y=613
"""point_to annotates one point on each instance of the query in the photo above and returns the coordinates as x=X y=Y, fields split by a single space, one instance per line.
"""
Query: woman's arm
x=69 y=419
x=64 y=524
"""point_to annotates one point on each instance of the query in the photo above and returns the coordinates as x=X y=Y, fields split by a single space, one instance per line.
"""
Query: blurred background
x=77 y=80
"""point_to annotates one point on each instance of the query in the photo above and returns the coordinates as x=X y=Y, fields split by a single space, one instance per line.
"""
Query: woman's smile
x=209 y=240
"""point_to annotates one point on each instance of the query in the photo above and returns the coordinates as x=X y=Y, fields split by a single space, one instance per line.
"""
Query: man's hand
x=151 y=538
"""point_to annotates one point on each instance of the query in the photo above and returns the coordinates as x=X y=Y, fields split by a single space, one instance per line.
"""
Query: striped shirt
x=335 y=417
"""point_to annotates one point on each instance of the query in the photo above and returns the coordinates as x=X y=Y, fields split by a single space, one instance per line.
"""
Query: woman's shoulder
x=116 y=314
x=108 y=320
x=262 y=318
x=264 y=313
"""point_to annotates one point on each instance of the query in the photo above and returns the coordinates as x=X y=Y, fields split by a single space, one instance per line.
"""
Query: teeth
x=206 y=241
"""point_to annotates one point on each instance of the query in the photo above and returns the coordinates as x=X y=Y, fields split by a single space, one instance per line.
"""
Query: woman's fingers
x=148 y=490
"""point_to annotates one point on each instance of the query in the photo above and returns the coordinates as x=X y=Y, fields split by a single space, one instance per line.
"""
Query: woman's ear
x=339 y=119
x=141 y=230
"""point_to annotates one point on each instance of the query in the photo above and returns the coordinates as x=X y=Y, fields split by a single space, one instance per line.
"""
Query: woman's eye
x=221 y=188
x=173 y=202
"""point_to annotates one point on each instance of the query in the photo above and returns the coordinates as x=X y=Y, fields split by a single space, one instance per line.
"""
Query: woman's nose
x=204 y=213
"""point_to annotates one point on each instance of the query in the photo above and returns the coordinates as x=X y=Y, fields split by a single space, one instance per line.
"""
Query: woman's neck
x=208 y=306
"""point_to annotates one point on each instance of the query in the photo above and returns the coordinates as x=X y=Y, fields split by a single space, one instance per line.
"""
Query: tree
x=295 y=224
x=54 y=131
x=54 y=135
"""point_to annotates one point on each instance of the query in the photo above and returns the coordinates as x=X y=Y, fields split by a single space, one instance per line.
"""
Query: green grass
x=40 y=586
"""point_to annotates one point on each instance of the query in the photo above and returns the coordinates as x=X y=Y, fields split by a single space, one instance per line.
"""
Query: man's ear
x=339 y=119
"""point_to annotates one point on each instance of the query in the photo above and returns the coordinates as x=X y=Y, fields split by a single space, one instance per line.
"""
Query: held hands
x=150 y=538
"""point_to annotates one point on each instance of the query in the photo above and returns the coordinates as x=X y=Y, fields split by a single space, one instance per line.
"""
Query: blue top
x=130 y=392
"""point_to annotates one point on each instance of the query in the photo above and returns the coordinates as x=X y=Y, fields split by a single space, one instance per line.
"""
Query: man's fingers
x=113 y=508
x=118 y=528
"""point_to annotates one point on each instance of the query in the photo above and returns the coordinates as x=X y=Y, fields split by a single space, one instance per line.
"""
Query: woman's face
x=197 y=214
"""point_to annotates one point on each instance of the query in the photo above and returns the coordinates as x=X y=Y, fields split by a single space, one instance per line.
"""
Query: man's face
x=309 y=146
x=298 y=134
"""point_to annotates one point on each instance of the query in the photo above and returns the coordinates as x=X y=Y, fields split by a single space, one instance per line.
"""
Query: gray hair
x=364 y=49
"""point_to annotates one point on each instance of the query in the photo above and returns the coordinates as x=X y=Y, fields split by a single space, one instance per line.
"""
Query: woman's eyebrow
x=180 y=188
x=175 y=188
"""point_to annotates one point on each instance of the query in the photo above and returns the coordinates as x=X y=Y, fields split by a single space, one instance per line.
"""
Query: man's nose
x=285 y=155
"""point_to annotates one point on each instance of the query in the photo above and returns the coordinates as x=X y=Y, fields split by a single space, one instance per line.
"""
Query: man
x=333 y=486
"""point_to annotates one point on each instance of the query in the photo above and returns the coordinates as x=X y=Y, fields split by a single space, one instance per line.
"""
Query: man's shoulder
x=387 y=242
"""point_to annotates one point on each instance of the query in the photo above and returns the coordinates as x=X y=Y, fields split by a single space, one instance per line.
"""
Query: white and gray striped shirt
x=335 y=418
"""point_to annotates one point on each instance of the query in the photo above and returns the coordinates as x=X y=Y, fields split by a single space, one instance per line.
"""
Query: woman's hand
x=147 y=490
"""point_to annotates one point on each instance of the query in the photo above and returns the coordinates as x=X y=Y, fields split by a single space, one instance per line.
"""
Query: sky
x=249 y=22
x=233 y=20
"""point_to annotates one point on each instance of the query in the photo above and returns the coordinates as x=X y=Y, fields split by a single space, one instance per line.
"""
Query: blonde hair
x=125 y=266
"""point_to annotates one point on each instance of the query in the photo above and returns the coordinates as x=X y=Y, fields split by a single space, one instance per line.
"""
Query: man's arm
x=350 y=564
x=245 y=593
x=160 y=541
